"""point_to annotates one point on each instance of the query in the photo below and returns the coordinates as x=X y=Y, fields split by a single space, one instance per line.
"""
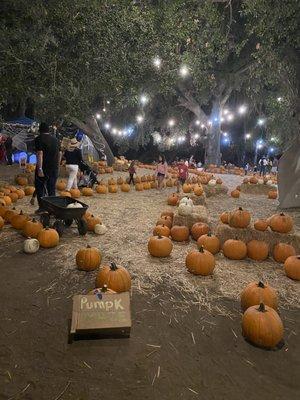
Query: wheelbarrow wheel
x=68 y=222
x=82 y=227
x=45 y=220
x=59 y=227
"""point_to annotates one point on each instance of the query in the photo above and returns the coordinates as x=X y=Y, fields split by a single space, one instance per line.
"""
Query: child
x=131 y=171
x=183 y=172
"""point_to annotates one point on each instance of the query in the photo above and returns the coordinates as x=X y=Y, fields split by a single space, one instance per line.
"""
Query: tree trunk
x=92 y=130
x=213 y=154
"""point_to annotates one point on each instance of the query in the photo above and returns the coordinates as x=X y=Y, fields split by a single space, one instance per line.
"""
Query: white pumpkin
x=212 y=182
x=31 y=246
x=260 y=181
x=270 y=182
x=74 y=205
x=186 y=200
x=100 y=229
x=185 y=209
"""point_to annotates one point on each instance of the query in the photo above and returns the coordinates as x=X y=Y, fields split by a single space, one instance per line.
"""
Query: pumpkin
x=18 y=220
x=116 y=278
x=165 y=220
x=139 y=187
x=219 y=181
x=100 y=229
x=88 y=259
x=75 y=205
x=167 y=214
x=257 y=250
x=160 y=246
x=212 y=182
x=120 y=181
x=125 y=187
x=239 y=218
x=281 y=223
x=282 y=251
x=29 y=190
x=13 y=196
x=198 y=190
x=20 y=193
x=75 y=193
x=186 y=188
x=169 y=183
x=154 y=185
x=200 y=262
x=31 y=229
x=260 y=181
x=256 y=293
x=272 y=194
x=261 y=225
x=224 y=217
x=234 y=249
x=161 y=230
x=292 y=267
x=253 y=180
x=172 y=199
x=48 y=238
x=86 y=191
x=61 y=185
x=65 y=193
x=3 y=210
x=199 y=229
x=262 y=326
x=92 y=221
x=21 y=180
x=112 y=188
x=235 y=194
x=99 y=291
x=7 y=200
x=186 y=200
x=209 y=242
x=180 y=233
x=101 y=189
x=9 y=214
x=31 y=246
x=1 y=223
x=185 y=209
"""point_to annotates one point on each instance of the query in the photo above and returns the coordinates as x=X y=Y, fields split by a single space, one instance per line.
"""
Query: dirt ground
x=186 y=340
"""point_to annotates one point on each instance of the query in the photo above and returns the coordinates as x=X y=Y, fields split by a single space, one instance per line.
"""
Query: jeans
x=45 y=186
x=131 y=179
x=72 y=180
x=262 y=170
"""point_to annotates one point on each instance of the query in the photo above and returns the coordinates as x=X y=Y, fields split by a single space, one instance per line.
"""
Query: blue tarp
x=22 y=121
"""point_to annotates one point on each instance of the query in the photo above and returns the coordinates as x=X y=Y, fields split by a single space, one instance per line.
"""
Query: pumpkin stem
x=88 y=246
x=201 y=249
x=261 y=285
x=104 y=288
x=282 y=214
x=113 y=266
x=241 y=208
x=261 y=308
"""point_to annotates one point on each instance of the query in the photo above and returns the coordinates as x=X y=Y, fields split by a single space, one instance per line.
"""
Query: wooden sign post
x=101 y=314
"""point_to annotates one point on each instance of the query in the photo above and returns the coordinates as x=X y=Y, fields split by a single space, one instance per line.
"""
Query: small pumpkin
x=186 y=188
x=234 y=249
x=86 y=191
x=18 y=221
x=101 y=189
x=20 y=193
x=112 y=188
x=167 y=214
x=261 y=225
x=160 y=246
x=29 y=190
x=212 y=183
x=3 y=210
x=209 y=242
x=91 y=222
x=239 y=218
x=65 y=193
x=172 y=200
x=257 y=250
x=75 y=193
x=13 y=196
x=272 y=194
x=100 y=291
x=281 y=223
x=200 y=262
x=165 y=220
x=256 y=293
x=88 y=259
x=48 y=238
x=282 y=251
x=116 y=278
x=139 y=187
x=125 y=187
x=21 y=180
x=224 y=217
x=9 y=214
x=198 y=190
x=1 y=223
x=31 y=246
x=199 y=229
x=292 y=267
x=262 y=326
x=235 y=194
x=61 y=185
x=120 y=181
x=180 y=233
x=253 y=180
x=31 y=229
x=100 y=229
x=161 y=230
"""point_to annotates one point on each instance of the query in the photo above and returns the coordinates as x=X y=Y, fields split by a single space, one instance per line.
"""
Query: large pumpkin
x=31 y=229
x=173 y=199
x=199 y=229
x=18 y=221
x=256 y=293
x=200 y=262
x=239 y=218
x=292 y=267
x=187 y=188
x=198 y=190
x=224 y=217
x=48 y=238
x=209 y=242
x=180 y=233
x=262 y=326
x=282 y=251
x=261 y=225
x=116 y=278
x=9 y=214
x=160 y=246
x=1 y=223
x=161 y=230
x=75 y=193
x=282 y=223
x=234 y=249
x=88 y=259
x=257 y=250
x=87 y=191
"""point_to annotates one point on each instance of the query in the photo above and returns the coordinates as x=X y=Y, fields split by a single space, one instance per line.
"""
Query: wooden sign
x=101 y=314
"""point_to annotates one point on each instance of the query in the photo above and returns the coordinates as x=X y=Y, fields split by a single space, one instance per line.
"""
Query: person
x=161 y=170
x=73 y=158
x=2 y=150
x=9 y=149
x=247 y=168
x=183 y=172
x=262 y=166
x=48 y=159
x=269 y=165
x=131 y=171
x=274 y=168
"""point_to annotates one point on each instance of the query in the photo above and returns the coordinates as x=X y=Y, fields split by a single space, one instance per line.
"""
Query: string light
x=216 y=119
x=196 y=136
x=222 y=119
x=272 y=139
x=139 y=119
x=202 y=126
x=209 y=122
x=248 y=135
x=114 y=131
x=225 y=111
x=230 y=117
x=184 y=71
x=225 y=134
x=107 y=125
x=242 y=109
x=104 y=109
x=107 y=102
x=171 y=122
x=157 y=62
x=279 y=99
x=144 y=99
x=197 y=122
x=261 y=121
x=98 y=116
x=260 y=146
x=271 y=149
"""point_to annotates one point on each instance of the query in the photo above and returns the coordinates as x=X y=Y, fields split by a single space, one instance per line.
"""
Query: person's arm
x=40 y=171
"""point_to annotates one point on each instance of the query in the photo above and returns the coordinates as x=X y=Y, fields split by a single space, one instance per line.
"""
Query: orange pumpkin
x=139 y=187
x=1 y=223
x=116 y=278
x=253 y=180
x=173 y=199
x=272 y=194
x=29 y=190
x=75 y=193
x=198 y=190
x=292 y=267
x=282 y=223
x=186 y=188
x=169 y=214
x=224 y=217
x=87 y=192
x=18 y=220
x=31 y=229
x=209 y=242
x=13 y=196
x=255 y=293
x=234 y=249
x=101 y=189
x=257 y=250
x=48 y=238
x=199 y=229
x=125 y=187
x=239 y=218
x=261 y=225
x=61 y=185
x=165 y=220
x=21 y=180
x=92 y=221
x=235 y=194
x=20 y=193
x=3 y=210
x=161 y=230
x=9 y=214
x=112 y=188
x=200 y=262
x=282 y=251
x=180 y=233
x=160 y=246
x=64 y=193
x=88 y=259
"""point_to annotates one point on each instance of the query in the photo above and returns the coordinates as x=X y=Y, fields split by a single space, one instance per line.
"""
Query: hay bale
x=215 y=190
x=197 y=200
x=255 y=189
x=225 y=232
x=200 y=214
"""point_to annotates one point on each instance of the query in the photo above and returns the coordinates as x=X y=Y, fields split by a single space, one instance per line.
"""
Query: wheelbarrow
x=57 y=206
